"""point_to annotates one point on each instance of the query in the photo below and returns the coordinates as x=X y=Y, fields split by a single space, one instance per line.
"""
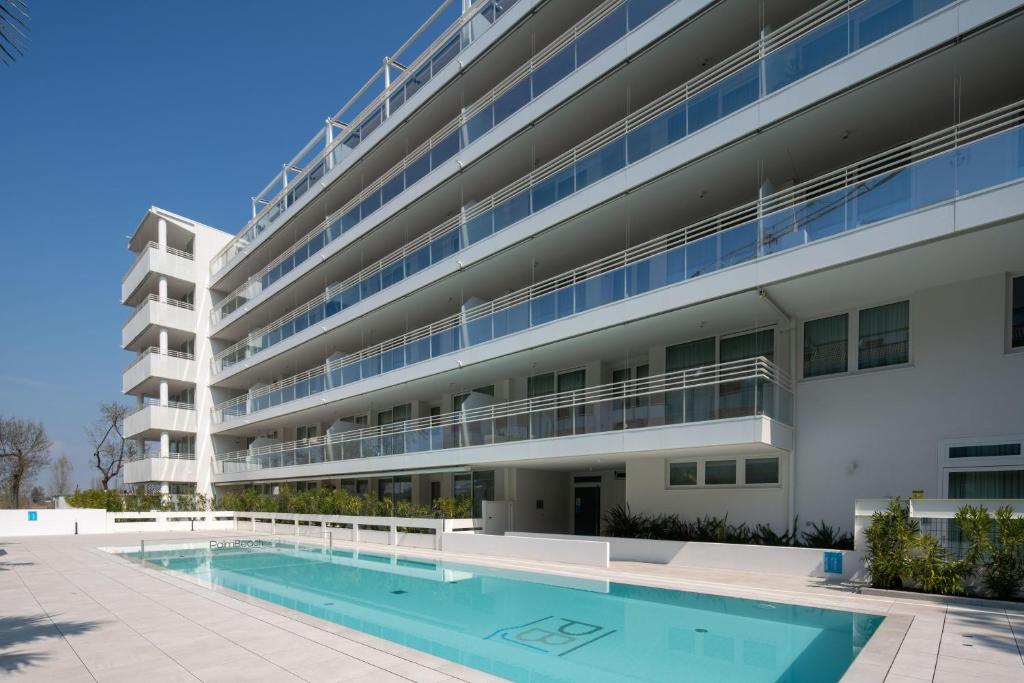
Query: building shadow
x=18 y=632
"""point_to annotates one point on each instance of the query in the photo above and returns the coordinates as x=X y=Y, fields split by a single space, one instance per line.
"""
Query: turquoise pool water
x=535 y=627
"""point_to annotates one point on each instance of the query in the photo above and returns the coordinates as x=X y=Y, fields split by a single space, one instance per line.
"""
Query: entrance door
x=587 y=511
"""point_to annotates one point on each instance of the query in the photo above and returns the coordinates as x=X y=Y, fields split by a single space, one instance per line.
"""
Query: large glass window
x=396 y=489
x=745 y=397
x=1017 y=313
x=478 y=485
x=682 y=474
x=698 y=403
x=987 y=484
x=826 y=345
x=719 y=472
x=884 y=336
x=761 y=471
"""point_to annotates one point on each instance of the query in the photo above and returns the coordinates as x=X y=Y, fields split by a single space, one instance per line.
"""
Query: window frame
x=741 y=472
x=1004 y=462
x=853 y=341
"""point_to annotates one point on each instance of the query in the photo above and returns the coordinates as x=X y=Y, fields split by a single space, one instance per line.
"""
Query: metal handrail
x=156 y=245
x=155 y=350
x=691 y=88
x=759 y=368
x=322 y=137
x=523 y=72
x=165 y=300
x=172 y=455
x=857 y=173
x=148 y=401
x=518 y=75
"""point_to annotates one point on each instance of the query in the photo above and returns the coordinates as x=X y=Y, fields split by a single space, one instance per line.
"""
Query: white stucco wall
x=647 y=492
x=879 y=433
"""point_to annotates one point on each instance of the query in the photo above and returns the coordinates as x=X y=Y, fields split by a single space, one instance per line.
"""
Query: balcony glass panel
x=875 y=198
x=632 y=404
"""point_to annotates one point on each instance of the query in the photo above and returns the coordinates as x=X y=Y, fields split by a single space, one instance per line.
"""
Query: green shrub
x=932 y=571
x=1003 y=570
x=889 y=538
x=622 y=522
x=824 y=535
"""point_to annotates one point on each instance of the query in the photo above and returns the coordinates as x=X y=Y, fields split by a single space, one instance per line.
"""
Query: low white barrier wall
x=49 y=522
x=358 y=529
x=759 y=558
x=569 y=550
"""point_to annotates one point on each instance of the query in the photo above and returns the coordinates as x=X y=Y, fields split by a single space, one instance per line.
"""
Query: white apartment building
x=746 y=257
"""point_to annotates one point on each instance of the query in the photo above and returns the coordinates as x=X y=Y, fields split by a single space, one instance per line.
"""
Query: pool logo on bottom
x=552 y=635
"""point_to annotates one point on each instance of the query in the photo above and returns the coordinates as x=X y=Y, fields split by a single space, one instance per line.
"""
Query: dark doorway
x=435 y=491
x=587 y=506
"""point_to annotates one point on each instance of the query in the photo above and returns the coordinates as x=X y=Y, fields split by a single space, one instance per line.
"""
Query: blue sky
x=117 y=106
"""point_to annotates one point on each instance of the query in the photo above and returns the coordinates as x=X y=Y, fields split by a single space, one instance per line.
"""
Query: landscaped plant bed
x=621 y=522
x=899 y=557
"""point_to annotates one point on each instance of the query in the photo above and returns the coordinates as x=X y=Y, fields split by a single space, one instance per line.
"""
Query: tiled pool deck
x=72 y=612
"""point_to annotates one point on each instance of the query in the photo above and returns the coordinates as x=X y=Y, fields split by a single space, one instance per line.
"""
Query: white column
x=165 y=444
x=161 y=233
x=161 y=288
x=163 y=393
x=163 y=341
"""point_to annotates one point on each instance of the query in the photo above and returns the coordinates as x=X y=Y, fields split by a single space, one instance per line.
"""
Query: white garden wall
x=569 y=550
x=756 y=558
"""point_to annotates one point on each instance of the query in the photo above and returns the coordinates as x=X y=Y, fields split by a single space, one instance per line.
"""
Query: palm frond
x=14 y=29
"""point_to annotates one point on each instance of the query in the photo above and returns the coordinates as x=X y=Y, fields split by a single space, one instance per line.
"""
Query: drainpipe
x=791 y=469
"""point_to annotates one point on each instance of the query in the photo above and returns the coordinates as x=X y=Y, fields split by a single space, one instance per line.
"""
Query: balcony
x=595 y=33
x=744 y=403
x=749 y=77
x=174 y=366
x=977 y=155
x=424 y=75
x=156 y=260
x=152 y=418
x=176 y=467
x=169 y=313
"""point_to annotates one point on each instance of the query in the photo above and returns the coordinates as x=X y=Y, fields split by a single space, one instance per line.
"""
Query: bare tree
x=110 y=449
x=60 y=476
x=24 y=451
x=13 y=29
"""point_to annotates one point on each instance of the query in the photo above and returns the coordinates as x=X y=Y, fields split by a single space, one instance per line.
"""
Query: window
x=987 y=484
x=761 y=471
x=682 y=474
x=719 y=472
x=478 y=485
x=307 y=432
x=1017 y=313
x=986 y=451
x=884 y=336
x=826 y=345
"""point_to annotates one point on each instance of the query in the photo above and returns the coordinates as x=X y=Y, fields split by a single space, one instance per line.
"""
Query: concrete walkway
x=71 y=612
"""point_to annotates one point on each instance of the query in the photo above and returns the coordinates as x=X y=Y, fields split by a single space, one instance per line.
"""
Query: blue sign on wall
x=833 y=563
x=33 y=516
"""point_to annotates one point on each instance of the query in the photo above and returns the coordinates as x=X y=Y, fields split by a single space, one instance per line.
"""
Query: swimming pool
x=529 y=626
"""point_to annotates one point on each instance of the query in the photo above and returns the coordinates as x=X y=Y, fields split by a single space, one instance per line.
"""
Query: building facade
x=738 y=257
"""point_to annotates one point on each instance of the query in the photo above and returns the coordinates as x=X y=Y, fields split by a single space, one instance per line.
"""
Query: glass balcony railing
x=155 y=351
x=588 y=38
x=310 y=165
x=979 y=154
x=687 y=109
x=150 y=401
x=741 y=388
